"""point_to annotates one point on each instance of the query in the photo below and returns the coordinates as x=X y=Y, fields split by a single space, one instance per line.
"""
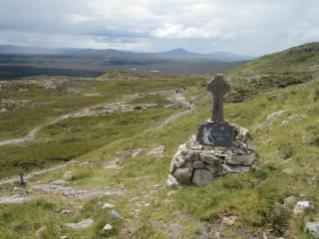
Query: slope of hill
x=294 y=58
x=118 y=181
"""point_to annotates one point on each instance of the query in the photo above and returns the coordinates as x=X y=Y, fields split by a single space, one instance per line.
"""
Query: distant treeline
x=16 y=72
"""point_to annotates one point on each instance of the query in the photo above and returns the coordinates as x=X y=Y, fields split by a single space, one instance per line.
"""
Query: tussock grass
x=255 y=198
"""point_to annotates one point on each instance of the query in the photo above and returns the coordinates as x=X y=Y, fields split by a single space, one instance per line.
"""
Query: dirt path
x=90 y=111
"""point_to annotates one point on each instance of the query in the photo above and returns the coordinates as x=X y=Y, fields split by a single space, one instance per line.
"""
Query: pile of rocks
x=200 y=164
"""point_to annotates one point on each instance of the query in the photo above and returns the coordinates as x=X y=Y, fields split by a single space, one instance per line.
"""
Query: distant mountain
x=216 y=56
x=176 y=53
x=179 y=52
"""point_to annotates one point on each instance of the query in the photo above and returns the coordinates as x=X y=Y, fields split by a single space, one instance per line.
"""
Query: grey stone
x=191 y=156
x=82 y=224
x=212 y=168
x=189 y=164
x=202 y=177
x=179 y=161
x=295 y=117
x=38 y=232
x=228 y=221
x=246 y=159
x=107 y=227
x=183 y=175
x=290 y=200
x=137 y=152
x=241 y=151
x=48 y=188
x=158 y=150
x=198 y=164
x=58 y=182
x=313 y=228
x=116 y=215
x=107 y=205
x=184 y=152
x=126 y=155
x=209 y=158
x=226 y=168
x=251 y=146
x=284 y=122
x=172 y=182
x=273 y=116
x=301 y=206
x=18 y=198
x=84 y=164
x=172 y=166
x=287 y=171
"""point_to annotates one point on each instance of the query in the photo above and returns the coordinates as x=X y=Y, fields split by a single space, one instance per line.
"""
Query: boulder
x=202 y=177
x=82 y=224
x=183 y=175
x=171 y=182
x=191 y=156
x=210 y=158
x=301 y=206
x=198 y=164
x=313 y=228
x=226 y=168
x=245 y=159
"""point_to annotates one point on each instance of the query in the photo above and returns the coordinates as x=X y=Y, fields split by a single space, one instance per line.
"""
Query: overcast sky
x=245 y=27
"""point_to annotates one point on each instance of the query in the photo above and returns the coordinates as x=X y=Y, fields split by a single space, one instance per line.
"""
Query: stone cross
x=218 y=87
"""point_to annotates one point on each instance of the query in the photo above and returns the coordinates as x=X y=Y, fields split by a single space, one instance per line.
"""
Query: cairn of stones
x=218 y=148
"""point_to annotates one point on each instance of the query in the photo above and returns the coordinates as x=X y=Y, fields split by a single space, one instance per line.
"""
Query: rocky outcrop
x=200 y=164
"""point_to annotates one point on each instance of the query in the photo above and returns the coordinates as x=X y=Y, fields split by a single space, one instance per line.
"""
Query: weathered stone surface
x=301 y=206
x=191 y=156
x=202 y=177
x=290 y=200
x=251 y=146
x=38 y=232
x=82 y=224
x=228 y=221
x=313 y=228
x=287 y=171
x=172 y=166
x=58 y=182
x=295 y=117
x=126 y=155
x=84 y=164
x=179 y=161
x=116 y=215
x=107 y=205
x=198 y=164
x=212 y=168
x=273 y=116
x=226 y=168
x=246 y=159
x=171 y=182
x=209 y=158
x=183 y=175
x=158 y=150
x=107 y=227
x=137 y=152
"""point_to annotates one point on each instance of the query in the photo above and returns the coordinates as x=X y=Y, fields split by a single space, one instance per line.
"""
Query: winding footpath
x=179 y=98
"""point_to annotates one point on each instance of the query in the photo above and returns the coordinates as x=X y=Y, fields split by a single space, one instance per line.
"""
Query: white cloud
x=244 y=27
x=77 y=18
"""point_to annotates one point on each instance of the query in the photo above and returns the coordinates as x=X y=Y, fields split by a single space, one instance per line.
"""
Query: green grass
x=255 y=198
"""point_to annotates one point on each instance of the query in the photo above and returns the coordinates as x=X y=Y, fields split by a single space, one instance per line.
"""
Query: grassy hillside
x=255 y=201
